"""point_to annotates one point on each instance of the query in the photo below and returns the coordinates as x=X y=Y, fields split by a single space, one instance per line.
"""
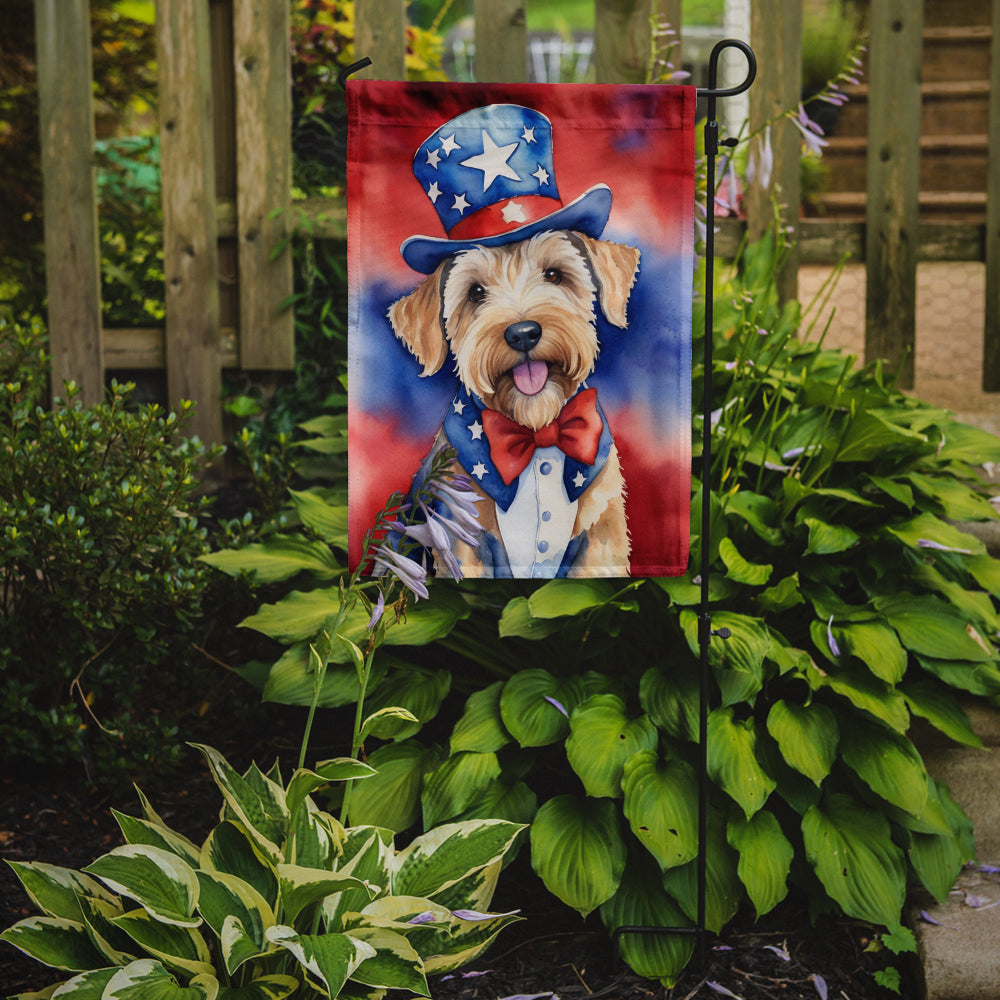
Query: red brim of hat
x=587 y=214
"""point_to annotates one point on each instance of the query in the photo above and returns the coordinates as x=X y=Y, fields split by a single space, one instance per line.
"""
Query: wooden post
x=190 y=254
x=893 y=184
x=991 y=332
x=72 y=255
x=622 y=40
x=776 y=35
x=262 y=61
x=501 y=41
x=380 y=34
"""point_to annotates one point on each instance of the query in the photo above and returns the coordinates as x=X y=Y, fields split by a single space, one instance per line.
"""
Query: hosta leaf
x=530 y=706
x=304 y=782
x=391 y=798
x=601 y=739
x=640 y=901
x=850 y=848
x=366 y=855
x=976 y=678
x=661 y=800
x=827 y=539
x=931 y=628
x=98 y=916
x=758 y=511
x=301 y=887
x=957 y=501
x=330 y=959
x=466 y=941
x=141 y=831
x=516 y=803
x=941 y=709
x=578 y=851
x=671 y=700
x=928 y=528
x=888 y=763
x=417 y=690
x=180 y=948
x=225 y=897
x=54 y=941
x=291 y=680
x=765 y=858
x=456 y=784
x=327 y=520
x=86 y=986
x=481 y=728
x=147 y=979
x=390 y=723
x=739 y=569
x=517 y=620
x=937 y=860
x=870 y=435
x=986 y=571
x=783 y=595
x=395 y=964
x=56 y=891
x=159 y=881
x=732 y=760
x=807 y=736
x=723 y=889
x=274 y=987
x=876 y=646
x=230 y=849
x=864 y=691
x=738 y=661
x=279 y=558
x=560 y=598
x=441 y=857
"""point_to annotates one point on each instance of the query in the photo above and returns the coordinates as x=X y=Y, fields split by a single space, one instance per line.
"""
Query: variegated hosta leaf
x=225 y=897
x=315 y=838
x=367 y=853
x=807 y=736
x=642 y=902
x=256 y=801
x=86 y=986
x=98 y=915
x=441 y=857
x=888 y=763
x=765 y=858
x=304 y=782
x=418 y=691
x=158 y=880
x=54 y=941
x=481 y=727
x=329 y=959
x=850 y=847
x=274 y=987
x=456 y=784
x=395 y=964
x=466 y=941
x=578 y=851
x=723 y=889
x=602 y=737
x=535 y=706
x=141 y=831
x=661 y=805
x=147 y=979
x=177 y=947
x=732 y=760
x=230 y=849
x=300 y=887
x=56 y=891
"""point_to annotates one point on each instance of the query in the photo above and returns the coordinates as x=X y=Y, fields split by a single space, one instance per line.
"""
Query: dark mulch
x=551 y=951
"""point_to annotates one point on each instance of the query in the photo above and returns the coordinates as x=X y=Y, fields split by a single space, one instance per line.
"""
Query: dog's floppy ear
x=615 y=267
x=416 y=319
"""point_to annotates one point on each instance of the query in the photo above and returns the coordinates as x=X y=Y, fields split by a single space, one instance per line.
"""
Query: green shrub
x=279 y=900
x=854 y=604
x=101 y=584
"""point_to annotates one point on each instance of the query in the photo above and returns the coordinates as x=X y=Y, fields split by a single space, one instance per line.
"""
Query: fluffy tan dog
x=520 y=323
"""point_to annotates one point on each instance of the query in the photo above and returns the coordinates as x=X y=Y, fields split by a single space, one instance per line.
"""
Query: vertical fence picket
x=380 y=34
x=72 y=257
x=621 y=40
x=262 y=64
x=776 y=34
x=892 y=216
x=190 y=253
x=991 y=331
x=501 y=41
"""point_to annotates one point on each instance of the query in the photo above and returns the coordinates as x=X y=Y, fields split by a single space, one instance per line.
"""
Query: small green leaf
x=561 y=598
x=765 y=858
x=828 y=539
x=279 y=558
x=671 y=700
x=535 y=706
x=807 y=736
x=739 y=569
x=456 y=784
x=481 y=727
x=732 y=760
x=888 y=763
x=391 y=798
x=930 y=627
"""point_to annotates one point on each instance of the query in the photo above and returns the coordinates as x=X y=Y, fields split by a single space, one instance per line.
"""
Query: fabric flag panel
x=520 y=271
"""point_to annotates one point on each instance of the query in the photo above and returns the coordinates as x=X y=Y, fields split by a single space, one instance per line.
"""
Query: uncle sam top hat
x=489 y=175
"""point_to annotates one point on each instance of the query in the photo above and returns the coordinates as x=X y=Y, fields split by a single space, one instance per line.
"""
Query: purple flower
x=427 y=917
x=475 y=915
x=834 y=648
x=761 y=163
x=927 y=543
x=811 y=132
x=411 y=574
x=377 y=612
x=820 y=983
x=719 y=988
x=558 y=705
x=780 y=952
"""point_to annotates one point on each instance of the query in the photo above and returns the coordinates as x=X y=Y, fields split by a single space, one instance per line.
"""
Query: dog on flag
x=511 y=297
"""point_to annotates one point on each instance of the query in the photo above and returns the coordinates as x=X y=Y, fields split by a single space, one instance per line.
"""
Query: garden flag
x=520 y=271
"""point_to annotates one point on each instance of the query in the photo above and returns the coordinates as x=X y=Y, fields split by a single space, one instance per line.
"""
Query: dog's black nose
x=523 y=336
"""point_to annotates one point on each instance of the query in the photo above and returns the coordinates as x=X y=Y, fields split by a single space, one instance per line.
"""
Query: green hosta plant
x=279 y=900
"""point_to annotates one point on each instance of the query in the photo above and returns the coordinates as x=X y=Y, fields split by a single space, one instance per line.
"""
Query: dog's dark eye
x=552 y=275
x=476 y=293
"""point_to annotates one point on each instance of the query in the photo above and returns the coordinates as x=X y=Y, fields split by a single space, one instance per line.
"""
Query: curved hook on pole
x=353 y=68
x=713 y=69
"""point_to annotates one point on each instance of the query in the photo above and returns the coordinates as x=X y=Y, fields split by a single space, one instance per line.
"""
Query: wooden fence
x=226 y=161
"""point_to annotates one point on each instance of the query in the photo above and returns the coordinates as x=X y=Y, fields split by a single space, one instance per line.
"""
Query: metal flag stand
x=705 y=630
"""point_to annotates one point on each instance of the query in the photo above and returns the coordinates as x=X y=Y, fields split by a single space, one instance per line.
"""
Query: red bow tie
x=576 y=432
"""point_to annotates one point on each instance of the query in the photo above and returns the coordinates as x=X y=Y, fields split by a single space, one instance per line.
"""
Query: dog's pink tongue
x=530 y=376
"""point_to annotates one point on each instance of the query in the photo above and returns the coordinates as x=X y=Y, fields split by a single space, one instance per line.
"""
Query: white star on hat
x=528 y=135
x=493 y=161
x=433 y=156
x=542 y=174
x=479 y=470
x=434 y=192
x=513 y=212
x=448 y=144
x=460 y=203
x=476 y=430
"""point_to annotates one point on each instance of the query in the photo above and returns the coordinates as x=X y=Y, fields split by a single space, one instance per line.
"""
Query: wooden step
x=956 y=53
x=945 y=12
x=958 y=206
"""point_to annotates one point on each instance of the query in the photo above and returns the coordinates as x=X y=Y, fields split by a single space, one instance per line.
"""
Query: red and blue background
x=639 y=140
